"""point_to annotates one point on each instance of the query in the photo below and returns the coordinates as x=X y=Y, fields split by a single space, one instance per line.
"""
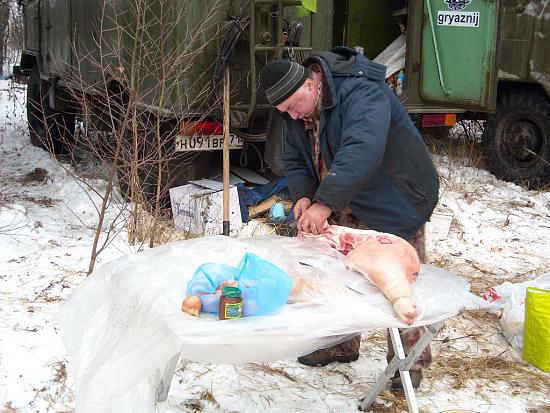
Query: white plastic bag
x=509 y=304
x=124 y=323
x=393 y=56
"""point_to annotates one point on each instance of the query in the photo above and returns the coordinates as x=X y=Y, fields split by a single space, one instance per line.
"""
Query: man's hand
x=301 y=205
x=314 y=219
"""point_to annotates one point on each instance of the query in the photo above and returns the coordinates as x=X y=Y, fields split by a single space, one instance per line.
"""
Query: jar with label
x=231 y=303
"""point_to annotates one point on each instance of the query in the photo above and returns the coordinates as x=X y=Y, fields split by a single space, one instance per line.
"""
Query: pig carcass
x=386 y=260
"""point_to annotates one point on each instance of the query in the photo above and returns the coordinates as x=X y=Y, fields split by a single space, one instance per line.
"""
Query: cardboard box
x=198 y=207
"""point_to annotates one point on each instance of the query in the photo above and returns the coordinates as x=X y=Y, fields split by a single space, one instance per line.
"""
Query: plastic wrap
x=123 y=323
x=508 y=301
x=393 y=56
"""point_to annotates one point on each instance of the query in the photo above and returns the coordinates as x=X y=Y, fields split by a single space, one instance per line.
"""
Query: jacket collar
x=329 y=89
x=343 y=62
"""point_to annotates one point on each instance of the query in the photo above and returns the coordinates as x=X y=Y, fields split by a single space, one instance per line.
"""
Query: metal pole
x=403 y=364
x=226 y=138
x=405 y=375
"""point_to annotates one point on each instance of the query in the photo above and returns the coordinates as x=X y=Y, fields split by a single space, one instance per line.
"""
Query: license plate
x=206 y=143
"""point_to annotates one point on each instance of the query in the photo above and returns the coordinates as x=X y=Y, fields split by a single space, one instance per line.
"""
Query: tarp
x=124 y=322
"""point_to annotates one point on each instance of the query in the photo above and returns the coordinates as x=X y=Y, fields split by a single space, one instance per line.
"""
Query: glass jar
x=231 y=304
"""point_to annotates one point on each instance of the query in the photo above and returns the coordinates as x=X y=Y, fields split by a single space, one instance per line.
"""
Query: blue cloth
x=251 y=196
x=378 y=164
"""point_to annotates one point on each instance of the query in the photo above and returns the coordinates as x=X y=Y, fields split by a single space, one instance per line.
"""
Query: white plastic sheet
x=123 y=323
x=393 y=56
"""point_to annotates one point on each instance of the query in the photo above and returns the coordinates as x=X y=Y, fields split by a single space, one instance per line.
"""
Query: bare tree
x=145 y=58
x=4 y=30
x=11 y=34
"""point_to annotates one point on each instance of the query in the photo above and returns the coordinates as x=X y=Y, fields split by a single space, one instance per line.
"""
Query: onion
x=191 y=305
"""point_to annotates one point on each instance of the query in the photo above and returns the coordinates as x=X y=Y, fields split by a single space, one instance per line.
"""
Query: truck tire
x=48 y=129
x=516 y=138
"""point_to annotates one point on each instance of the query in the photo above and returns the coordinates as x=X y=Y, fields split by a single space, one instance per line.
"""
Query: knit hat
x=280 y=79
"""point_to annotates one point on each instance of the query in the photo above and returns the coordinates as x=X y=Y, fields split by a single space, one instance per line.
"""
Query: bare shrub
x=462 y=146
x=131 y=85
x=11 y=34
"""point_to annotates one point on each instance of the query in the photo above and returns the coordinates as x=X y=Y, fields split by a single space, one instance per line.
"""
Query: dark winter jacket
x=378 y=164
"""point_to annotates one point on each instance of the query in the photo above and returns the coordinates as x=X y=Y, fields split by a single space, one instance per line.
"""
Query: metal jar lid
x=231 y=292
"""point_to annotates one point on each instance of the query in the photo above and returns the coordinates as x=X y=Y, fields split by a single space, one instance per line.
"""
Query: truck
x=145 y=76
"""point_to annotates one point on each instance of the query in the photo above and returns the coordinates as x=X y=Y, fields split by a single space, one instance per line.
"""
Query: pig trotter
x=405 y=308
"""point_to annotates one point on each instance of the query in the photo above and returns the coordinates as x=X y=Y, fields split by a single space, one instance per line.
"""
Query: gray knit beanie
x=280 y=79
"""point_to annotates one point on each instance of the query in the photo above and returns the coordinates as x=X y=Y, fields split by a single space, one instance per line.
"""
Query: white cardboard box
x=198 y=207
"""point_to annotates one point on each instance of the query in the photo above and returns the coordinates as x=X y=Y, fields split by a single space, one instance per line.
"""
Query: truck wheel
x=48 y=129
x=516 y=138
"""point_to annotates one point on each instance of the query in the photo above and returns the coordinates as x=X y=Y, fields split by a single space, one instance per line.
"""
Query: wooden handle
x=226 y=211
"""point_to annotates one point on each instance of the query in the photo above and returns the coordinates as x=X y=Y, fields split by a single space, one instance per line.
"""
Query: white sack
x=393 y=56
x=511 y=305
x=123 y=323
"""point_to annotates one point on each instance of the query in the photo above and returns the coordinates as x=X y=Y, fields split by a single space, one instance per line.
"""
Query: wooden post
x=226 y=211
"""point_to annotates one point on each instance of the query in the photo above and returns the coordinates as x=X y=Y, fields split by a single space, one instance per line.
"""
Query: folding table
x=399 y=362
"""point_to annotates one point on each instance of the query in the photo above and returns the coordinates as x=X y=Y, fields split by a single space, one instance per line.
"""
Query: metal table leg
x=402 y=363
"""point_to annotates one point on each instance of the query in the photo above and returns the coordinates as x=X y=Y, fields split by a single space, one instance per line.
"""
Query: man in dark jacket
x=352 y=156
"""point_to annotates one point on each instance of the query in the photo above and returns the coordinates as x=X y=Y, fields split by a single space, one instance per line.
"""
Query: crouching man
x=352 y=157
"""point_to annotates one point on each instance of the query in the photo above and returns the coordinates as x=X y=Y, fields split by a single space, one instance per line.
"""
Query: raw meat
x=388 y=261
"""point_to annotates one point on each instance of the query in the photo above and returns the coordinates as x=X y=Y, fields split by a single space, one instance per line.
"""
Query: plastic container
x=439 y=225
x=400 y=83
x=277 y=212
x=536 y=333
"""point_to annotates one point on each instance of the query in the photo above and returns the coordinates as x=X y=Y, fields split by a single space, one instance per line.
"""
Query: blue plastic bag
x=206 y=279
x=265 y=287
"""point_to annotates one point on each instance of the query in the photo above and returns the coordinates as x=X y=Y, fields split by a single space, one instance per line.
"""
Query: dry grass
x=145 y=226
x=42 y=200
x=38 y=175
x=268 y=369
x=348 y=377
x=193 y=405
x=60 y=375
x=8 y=409
x=462 y=147
x=209 y=397
x=198 y=404
x=462 y=369
x=392 y=403
x=543 y=408
x=285 y=230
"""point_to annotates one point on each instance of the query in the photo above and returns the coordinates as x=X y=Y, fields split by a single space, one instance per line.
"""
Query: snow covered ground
x=500 y=232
